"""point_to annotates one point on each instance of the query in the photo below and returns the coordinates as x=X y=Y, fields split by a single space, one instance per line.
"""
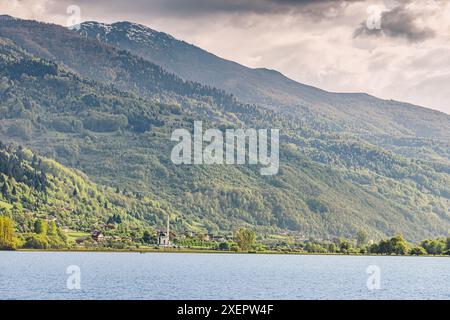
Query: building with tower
x=164 y=236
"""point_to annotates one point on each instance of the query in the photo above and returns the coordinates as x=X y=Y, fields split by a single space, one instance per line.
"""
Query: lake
x=43 y=275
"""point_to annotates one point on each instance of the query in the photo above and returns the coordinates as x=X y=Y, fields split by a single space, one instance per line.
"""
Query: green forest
x=39 y=198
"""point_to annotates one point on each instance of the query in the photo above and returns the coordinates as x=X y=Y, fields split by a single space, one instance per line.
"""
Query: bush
x=224 y=246
x=417 y=251
x=9 y=246
x=234 y=247
x=36 y=241
x=55 y=242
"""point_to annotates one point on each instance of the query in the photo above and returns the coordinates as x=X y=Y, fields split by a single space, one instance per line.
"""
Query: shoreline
x=193 y=251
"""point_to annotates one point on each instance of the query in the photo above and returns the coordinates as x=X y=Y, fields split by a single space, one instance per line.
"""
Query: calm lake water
x=35 y=275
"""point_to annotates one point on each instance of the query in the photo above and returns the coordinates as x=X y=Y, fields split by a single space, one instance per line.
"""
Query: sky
x=393 y=49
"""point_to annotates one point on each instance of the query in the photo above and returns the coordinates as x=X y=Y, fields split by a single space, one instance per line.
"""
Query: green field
x=73 y=235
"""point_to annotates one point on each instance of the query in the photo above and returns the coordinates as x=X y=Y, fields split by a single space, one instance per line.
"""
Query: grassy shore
x=207 y=251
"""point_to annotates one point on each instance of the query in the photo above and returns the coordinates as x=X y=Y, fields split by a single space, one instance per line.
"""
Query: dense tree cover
x=247 y=240
x=12 y=164
x=29 y=67
x=396 y=245
x=329 y=184
x=437 y=246
x=41 y=196
x=46 y=235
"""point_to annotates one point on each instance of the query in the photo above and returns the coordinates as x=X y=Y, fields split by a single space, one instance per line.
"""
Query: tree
x=6 y=233
x=40 y=227
x=224 y=246
x=34 y=161
x=434 y=246
x=361 y=238
x=332 y=247
x=398 y=245
x=36 y=241
x=373 y=248
x=147 y=237
x=233 y=246
x=5 y=189
x=384 y=247
x=417 y=251
x=245 y=238
x=52 y=229
x=314 y=247
x=344 y=246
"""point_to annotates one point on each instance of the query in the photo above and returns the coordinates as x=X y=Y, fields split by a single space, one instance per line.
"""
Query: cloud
x=310 y=41
x=312 y=8
x=397 y=23
x=194 y=8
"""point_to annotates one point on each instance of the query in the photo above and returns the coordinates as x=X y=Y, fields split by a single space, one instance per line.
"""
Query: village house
x=190 y=234
x=203 y=237
x=97 y=235
x=217 y=238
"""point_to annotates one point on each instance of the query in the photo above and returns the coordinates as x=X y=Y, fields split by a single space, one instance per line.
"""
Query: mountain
x=353 y=112
x=404 y=129
x=110 y=114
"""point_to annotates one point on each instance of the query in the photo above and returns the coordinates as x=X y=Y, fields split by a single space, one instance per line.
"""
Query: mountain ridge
x=268 y=88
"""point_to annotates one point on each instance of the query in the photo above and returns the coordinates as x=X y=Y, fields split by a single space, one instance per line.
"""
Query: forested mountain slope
x=33 y=187
x=110 y=114
x=404 y=129
x=327 y=184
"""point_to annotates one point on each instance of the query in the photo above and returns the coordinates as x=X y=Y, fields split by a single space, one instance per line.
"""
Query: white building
x=164 y=236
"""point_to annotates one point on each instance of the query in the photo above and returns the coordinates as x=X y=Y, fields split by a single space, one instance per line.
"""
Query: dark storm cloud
x=397 y=23
x=204 y=7
x=257 y=6
x=314 y=8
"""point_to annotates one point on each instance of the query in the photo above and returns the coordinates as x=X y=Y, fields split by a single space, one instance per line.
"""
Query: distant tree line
x=396 y=245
